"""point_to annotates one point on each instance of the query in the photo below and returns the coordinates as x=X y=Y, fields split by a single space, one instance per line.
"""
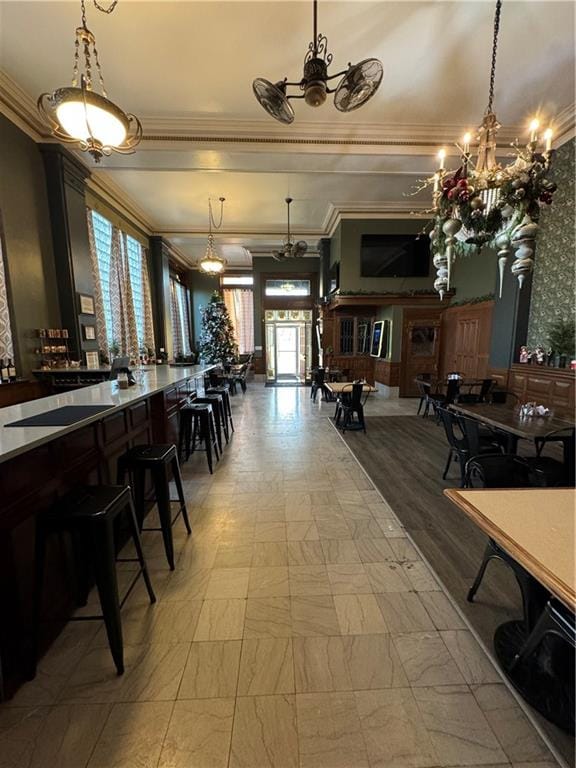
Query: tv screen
x=394 y=256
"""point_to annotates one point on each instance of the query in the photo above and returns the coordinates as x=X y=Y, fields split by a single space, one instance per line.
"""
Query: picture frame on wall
x=92 y=360
x=86 y=304
x=89 y=332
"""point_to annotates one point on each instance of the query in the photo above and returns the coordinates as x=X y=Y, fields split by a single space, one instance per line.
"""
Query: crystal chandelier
x=79 y=114
x=358 y=84
x=213 y=264
x=484 y=203
x=290 y=250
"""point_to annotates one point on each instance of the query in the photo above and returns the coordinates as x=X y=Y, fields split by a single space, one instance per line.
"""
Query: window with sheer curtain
x=180 y=312
x=240 y=305
x=121 y=288
x=6 y=344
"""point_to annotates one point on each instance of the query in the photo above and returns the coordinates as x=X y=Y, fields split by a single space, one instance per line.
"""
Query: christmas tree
x=217 y=343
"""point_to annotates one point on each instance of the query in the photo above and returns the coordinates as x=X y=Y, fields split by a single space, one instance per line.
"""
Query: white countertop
x=17 y=440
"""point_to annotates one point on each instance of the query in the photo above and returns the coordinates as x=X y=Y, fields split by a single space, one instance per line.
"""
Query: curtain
x=177 y=344
x=180 y=314
x=148 y=323
x=240 y=305
x=6 y=345
x=101 y=331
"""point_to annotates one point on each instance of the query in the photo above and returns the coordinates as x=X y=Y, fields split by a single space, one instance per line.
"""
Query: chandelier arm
x=296 y=96
x=338 y=74
x=494 y=53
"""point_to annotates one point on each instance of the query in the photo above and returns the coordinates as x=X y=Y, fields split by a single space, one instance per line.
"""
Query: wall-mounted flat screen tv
x=394 y=256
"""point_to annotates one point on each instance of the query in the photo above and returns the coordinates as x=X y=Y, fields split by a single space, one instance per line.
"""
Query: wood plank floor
x=404 y=457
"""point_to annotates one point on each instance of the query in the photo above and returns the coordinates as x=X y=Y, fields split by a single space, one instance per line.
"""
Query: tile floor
x=300 y=630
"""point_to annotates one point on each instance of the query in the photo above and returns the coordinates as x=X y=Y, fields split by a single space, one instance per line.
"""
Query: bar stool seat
x=224 y=392
x=91 y=511
x=197 y=423
x=158 y=459
x=220 y=420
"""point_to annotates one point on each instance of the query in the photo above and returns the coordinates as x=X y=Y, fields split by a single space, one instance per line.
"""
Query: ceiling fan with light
x=358 y=84
x=290 y=250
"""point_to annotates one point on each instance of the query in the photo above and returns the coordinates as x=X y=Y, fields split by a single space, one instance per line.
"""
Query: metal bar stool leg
x=178 y=482
x=138 y=547
x=105 y=571
x=164 y=513
x=207 y=443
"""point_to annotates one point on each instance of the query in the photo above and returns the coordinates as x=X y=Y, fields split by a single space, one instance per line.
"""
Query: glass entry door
x=287 y=352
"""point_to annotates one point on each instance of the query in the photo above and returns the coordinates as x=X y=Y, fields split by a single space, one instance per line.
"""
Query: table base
x=546 y=679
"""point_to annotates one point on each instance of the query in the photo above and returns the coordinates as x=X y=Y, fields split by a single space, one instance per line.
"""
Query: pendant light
x=289 y=249
x=213 y=264
x=79 y=114
x=357 y=85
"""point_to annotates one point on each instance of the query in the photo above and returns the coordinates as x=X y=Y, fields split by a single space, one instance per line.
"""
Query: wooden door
x=465 y=339
x=420 y=348
x=467 y=347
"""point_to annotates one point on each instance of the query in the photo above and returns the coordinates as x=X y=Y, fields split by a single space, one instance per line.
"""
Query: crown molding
x=396 y=209
x=103 y=187
x=19 y=107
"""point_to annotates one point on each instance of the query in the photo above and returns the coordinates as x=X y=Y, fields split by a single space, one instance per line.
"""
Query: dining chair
x=485 y=385
x=464 y=445
x=317 y=382
x=423 y=390
x=351 y=402
x=502 y=397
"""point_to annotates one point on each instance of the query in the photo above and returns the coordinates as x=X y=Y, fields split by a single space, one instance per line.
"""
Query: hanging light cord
x=211 y=220
x=494 y=52
x=106 y=10
x=87 y=39
x=288 y=204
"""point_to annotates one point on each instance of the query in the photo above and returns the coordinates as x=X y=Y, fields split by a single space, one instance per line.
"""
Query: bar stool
x=220 y=420
x=226 y=403
x=91 y=512
x=197 y=422
x=158 y=459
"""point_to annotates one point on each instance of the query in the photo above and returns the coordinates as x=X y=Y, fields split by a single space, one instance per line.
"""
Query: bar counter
x=41 y=463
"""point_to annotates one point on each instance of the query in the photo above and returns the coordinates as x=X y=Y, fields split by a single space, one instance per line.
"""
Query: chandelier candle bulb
x=466 y=141
x=548 y=133
x=534 y=125
x=441 y=158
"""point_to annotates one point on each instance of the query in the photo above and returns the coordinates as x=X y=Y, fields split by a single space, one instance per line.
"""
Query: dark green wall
x=395 y=315
x=475 y=275
x=28 y=240
x=553 y=283
x=201 y=286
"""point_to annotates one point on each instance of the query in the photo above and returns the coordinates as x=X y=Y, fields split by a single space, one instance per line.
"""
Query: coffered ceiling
x=186 y=68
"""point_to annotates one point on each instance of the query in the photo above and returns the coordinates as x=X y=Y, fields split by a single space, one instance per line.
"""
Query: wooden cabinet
x=552 y=387
x=420 y=347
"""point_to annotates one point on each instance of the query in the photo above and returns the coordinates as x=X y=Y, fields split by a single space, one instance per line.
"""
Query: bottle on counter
x=4 y=377
x=11 y=370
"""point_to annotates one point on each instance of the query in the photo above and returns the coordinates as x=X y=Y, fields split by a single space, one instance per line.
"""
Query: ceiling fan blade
x=273 y=98
x=358 y=85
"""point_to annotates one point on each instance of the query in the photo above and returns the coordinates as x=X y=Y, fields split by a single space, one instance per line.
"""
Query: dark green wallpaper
x=553 y=286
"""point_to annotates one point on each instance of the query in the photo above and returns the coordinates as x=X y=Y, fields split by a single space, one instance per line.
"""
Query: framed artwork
x=89 y=332
x=92 y=360
x=86 y=304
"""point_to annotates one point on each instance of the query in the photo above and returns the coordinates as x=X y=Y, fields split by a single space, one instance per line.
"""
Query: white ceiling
x=185 y=68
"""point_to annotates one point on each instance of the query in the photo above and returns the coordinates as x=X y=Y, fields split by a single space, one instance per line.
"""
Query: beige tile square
x=309 y=580
x=349 y=578
x=516 y=734
x=394 y=729
x=366 y=528
x=313 y=615
x=151 y=673
x=62 y=736
x=403 y=612
x=441 y=611
x=459 y=731
x=296 y=512
x=199 y=734
x=266 y=667
x=211 y=670
x=420 y=577
x=350 y=497
x=268 y=617
x=221 y=620
x=403 y=550
x=320 y=665
x=387 y=577
x=358 y=512
x=302 y=530
x=233 y=556
x=268 y=554
x=359 y=615
x=472 y=661
x=305 y=553
x=374 y=550
x=185 y=584
x=426 y=659
x=227 y=582
x=332 y=528
x=373 y=662
x=269 y=582
x=271 y=531
x=133 y=736
x=340 y=551
x=272 y=515
x=390 y=528
x=329 y=732
x=265 y=734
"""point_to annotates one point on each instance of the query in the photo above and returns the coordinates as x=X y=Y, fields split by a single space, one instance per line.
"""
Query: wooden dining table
x=536 y=527
x=337 y=387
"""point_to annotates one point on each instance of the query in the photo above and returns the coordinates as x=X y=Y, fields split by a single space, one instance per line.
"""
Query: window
x=6 y=345
x=123 y=291
x=180 y=312
x=354 y=335
x=240 y=305
x=287 y=288
x=243 y=280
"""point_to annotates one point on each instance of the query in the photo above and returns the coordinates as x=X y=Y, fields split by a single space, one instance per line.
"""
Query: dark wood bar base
x=30 y=483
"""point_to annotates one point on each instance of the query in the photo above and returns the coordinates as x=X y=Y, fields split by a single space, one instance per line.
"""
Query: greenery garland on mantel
x=474 y=300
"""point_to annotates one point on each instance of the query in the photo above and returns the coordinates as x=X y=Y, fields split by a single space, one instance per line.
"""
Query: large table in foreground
x=536 y=527
x=40 y=463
